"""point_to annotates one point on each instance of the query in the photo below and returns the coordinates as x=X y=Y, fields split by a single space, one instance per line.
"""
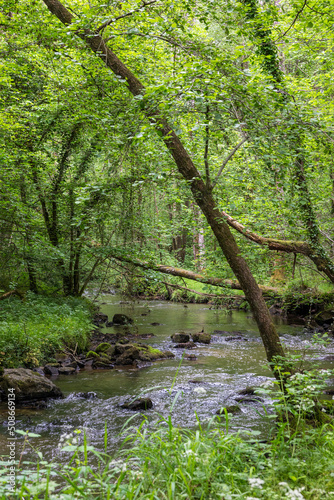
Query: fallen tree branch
x=288 y=246
x=183 y=273
x=203 y=294
x=11 y=293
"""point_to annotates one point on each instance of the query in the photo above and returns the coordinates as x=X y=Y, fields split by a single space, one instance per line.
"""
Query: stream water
x=201 y=387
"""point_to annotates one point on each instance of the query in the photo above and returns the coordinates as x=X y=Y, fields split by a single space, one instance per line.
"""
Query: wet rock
x=109 y=324
x=155 y=324
x=195 y=382
x=103 y=364
x=186 y=345
x=247 y=391
x=87 y=395
x=191 y=357
x=224 y=332
x=122 y=319
x=233 y=409
x=180 y=338
x=51 y=370
x=169 y=354
x=138 y=404
x=202 y=338
x=39 y=370
x=92 y=354
x=235 y=339
x=110 y=351
x=128 y=357
x=71 y=364
x=125 y=340
x=100 y=319
x=250 y=399
x=66 y=370
x=102 y=347
x=128 y=354
x=330 y=357
x=28 y=385
x=40 y=404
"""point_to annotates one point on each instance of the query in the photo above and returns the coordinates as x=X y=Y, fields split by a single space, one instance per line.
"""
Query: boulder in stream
x=51 y=370
x=28 y=385
x=180 y=338
x=103 y=347
x=128 y=354
x=202 y=338
x=122 y=319
x=186 y=345
x=87 y=395
x=66 y=370
x=100 y=319
x=138 y=404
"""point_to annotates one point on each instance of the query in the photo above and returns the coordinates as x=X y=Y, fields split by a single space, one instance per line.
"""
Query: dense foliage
x=33 y=332
x=84 y=171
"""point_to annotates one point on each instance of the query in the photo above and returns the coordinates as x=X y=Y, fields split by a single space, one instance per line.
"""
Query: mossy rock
x=149 y=353
x=110 y=351
x=92 y=354
x=103 y=347
x=180 y=338
x=28 y=385
x=202 y=338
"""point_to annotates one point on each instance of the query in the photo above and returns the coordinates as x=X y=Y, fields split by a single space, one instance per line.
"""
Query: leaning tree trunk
x=201 y=192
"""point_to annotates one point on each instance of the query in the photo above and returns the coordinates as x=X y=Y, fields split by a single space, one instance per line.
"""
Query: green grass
x=31 y=332
x=170 y=463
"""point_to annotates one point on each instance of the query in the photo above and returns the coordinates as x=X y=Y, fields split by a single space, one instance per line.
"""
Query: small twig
x=293 y=22
x=226 y=161
x=107 y=23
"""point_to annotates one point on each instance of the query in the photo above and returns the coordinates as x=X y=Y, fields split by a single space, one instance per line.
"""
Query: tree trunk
x=201 y=193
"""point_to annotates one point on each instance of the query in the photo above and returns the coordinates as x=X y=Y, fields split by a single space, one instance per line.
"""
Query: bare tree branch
x=111 y=21
x=213 y=185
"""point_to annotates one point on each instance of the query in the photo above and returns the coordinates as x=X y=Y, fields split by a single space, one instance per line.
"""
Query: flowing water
x=197 y=388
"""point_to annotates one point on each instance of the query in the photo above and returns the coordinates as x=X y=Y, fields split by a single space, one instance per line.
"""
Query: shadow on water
x=203 y=386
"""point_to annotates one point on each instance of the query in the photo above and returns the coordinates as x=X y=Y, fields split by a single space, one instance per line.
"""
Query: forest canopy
x=91 y=150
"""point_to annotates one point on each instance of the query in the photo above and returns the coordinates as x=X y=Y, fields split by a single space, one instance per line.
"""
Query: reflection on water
x=221 y=370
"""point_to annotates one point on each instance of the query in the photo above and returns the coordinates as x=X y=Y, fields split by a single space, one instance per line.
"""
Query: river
x=201 y=387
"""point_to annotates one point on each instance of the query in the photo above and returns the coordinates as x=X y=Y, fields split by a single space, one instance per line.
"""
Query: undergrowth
x=33 y=330
x=173 y=463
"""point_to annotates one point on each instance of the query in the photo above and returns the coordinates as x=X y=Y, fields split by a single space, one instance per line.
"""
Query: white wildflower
x=255 y=482
x=295 y=494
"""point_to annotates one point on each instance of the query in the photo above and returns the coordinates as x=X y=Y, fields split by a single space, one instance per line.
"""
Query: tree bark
x=201 y=193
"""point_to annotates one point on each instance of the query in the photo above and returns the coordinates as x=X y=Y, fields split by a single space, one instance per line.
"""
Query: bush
x=31 y=332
